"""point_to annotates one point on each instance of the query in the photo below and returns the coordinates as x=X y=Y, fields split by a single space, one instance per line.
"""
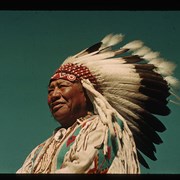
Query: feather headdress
x=131 y=83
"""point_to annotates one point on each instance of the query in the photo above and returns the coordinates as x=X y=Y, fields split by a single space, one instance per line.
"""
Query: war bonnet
x=131 y=84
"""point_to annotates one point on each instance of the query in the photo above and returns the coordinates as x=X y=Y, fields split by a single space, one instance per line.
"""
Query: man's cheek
x=49 y=100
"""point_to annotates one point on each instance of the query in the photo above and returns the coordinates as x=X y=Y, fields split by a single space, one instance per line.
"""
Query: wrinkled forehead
x=65 y=83
x=60 y=81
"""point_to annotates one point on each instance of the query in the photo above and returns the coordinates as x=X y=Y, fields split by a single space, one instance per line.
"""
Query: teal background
x=34 y=43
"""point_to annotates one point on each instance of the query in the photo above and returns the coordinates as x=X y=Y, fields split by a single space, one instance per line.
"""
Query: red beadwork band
x=73 y=72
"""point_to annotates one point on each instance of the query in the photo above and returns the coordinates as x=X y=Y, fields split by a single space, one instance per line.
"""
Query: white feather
x=94 y=58
x=156 y=62
x=123 y=102
x=151 y=55
x=124 y=87
x=111 y=40
x=133 y=45
x=108 y=65
x=124 y=93
x=142 y=51
x=131 y=78
x=106 y=39
x=172 y=81
x=99 y=63
x=86 y=55
x=69 y=59
x=116 y=70
x=119 y=108
x=166 y=68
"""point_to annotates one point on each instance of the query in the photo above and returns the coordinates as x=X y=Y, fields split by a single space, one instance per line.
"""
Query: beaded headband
x=73 y=72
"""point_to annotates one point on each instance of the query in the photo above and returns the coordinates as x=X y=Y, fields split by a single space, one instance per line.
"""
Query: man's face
x=66 y=101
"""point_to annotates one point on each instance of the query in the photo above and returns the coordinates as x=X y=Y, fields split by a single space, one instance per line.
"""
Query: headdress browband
x=73 y=72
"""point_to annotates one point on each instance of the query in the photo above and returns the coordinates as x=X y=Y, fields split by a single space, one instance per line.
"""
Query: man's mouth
x=56 y=105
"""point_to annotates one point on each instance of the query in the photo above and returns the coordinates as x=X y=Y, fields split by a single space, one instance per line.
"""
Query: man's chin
x=61 y=115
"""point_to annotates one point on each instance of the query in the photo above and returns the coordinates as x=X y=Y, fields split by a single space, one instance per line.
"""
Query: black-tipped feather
x=159 y=85
x=142 y=160
x=94 y=47
x=155 y=93
x=150 y=104
x=149 y=75
x=132 y=59
x=153 y=121
x=144 y=115
x=147 y=67
x=157 y=107
x=145 y=128
x=144 y=145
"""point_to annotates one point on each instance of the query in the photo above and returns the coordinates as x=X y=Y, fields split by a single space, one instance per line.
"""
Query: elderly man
x=105 y=105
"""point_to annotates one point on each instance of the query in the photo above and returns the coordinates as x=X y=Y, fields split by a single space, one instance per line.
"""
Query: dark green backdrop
x=32 y=46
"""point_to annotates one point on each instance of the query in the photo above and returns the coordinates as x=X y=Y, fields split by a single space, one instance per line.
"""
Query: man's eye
x=50 y=90
x=62 y=85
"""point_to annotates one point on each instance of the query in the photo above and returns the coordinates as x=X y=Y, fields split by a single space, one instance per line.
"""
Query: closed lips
x=56 y=105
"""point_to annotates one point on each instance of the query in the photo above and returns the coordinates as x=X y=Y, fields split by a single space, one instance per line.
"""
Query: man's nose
x=56 y=92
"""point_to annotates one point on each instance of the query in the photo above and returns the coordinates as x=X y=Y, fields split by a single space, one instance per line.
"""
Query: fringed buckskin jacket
x=85 y=147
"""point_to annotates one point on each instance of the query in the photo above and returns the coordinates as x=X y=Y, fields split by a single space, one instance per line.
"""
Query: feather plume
x=166 y=68
x=133 y=45
x=146 y=129
x=142 y=160
x=156 y=61
x=93 y=48
x=144 y=145
x=121 y=51
x=172 y=81
x=111 y=40
x=132 y=59
x=95 y=57
x=142 y=51
x=151 y=55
